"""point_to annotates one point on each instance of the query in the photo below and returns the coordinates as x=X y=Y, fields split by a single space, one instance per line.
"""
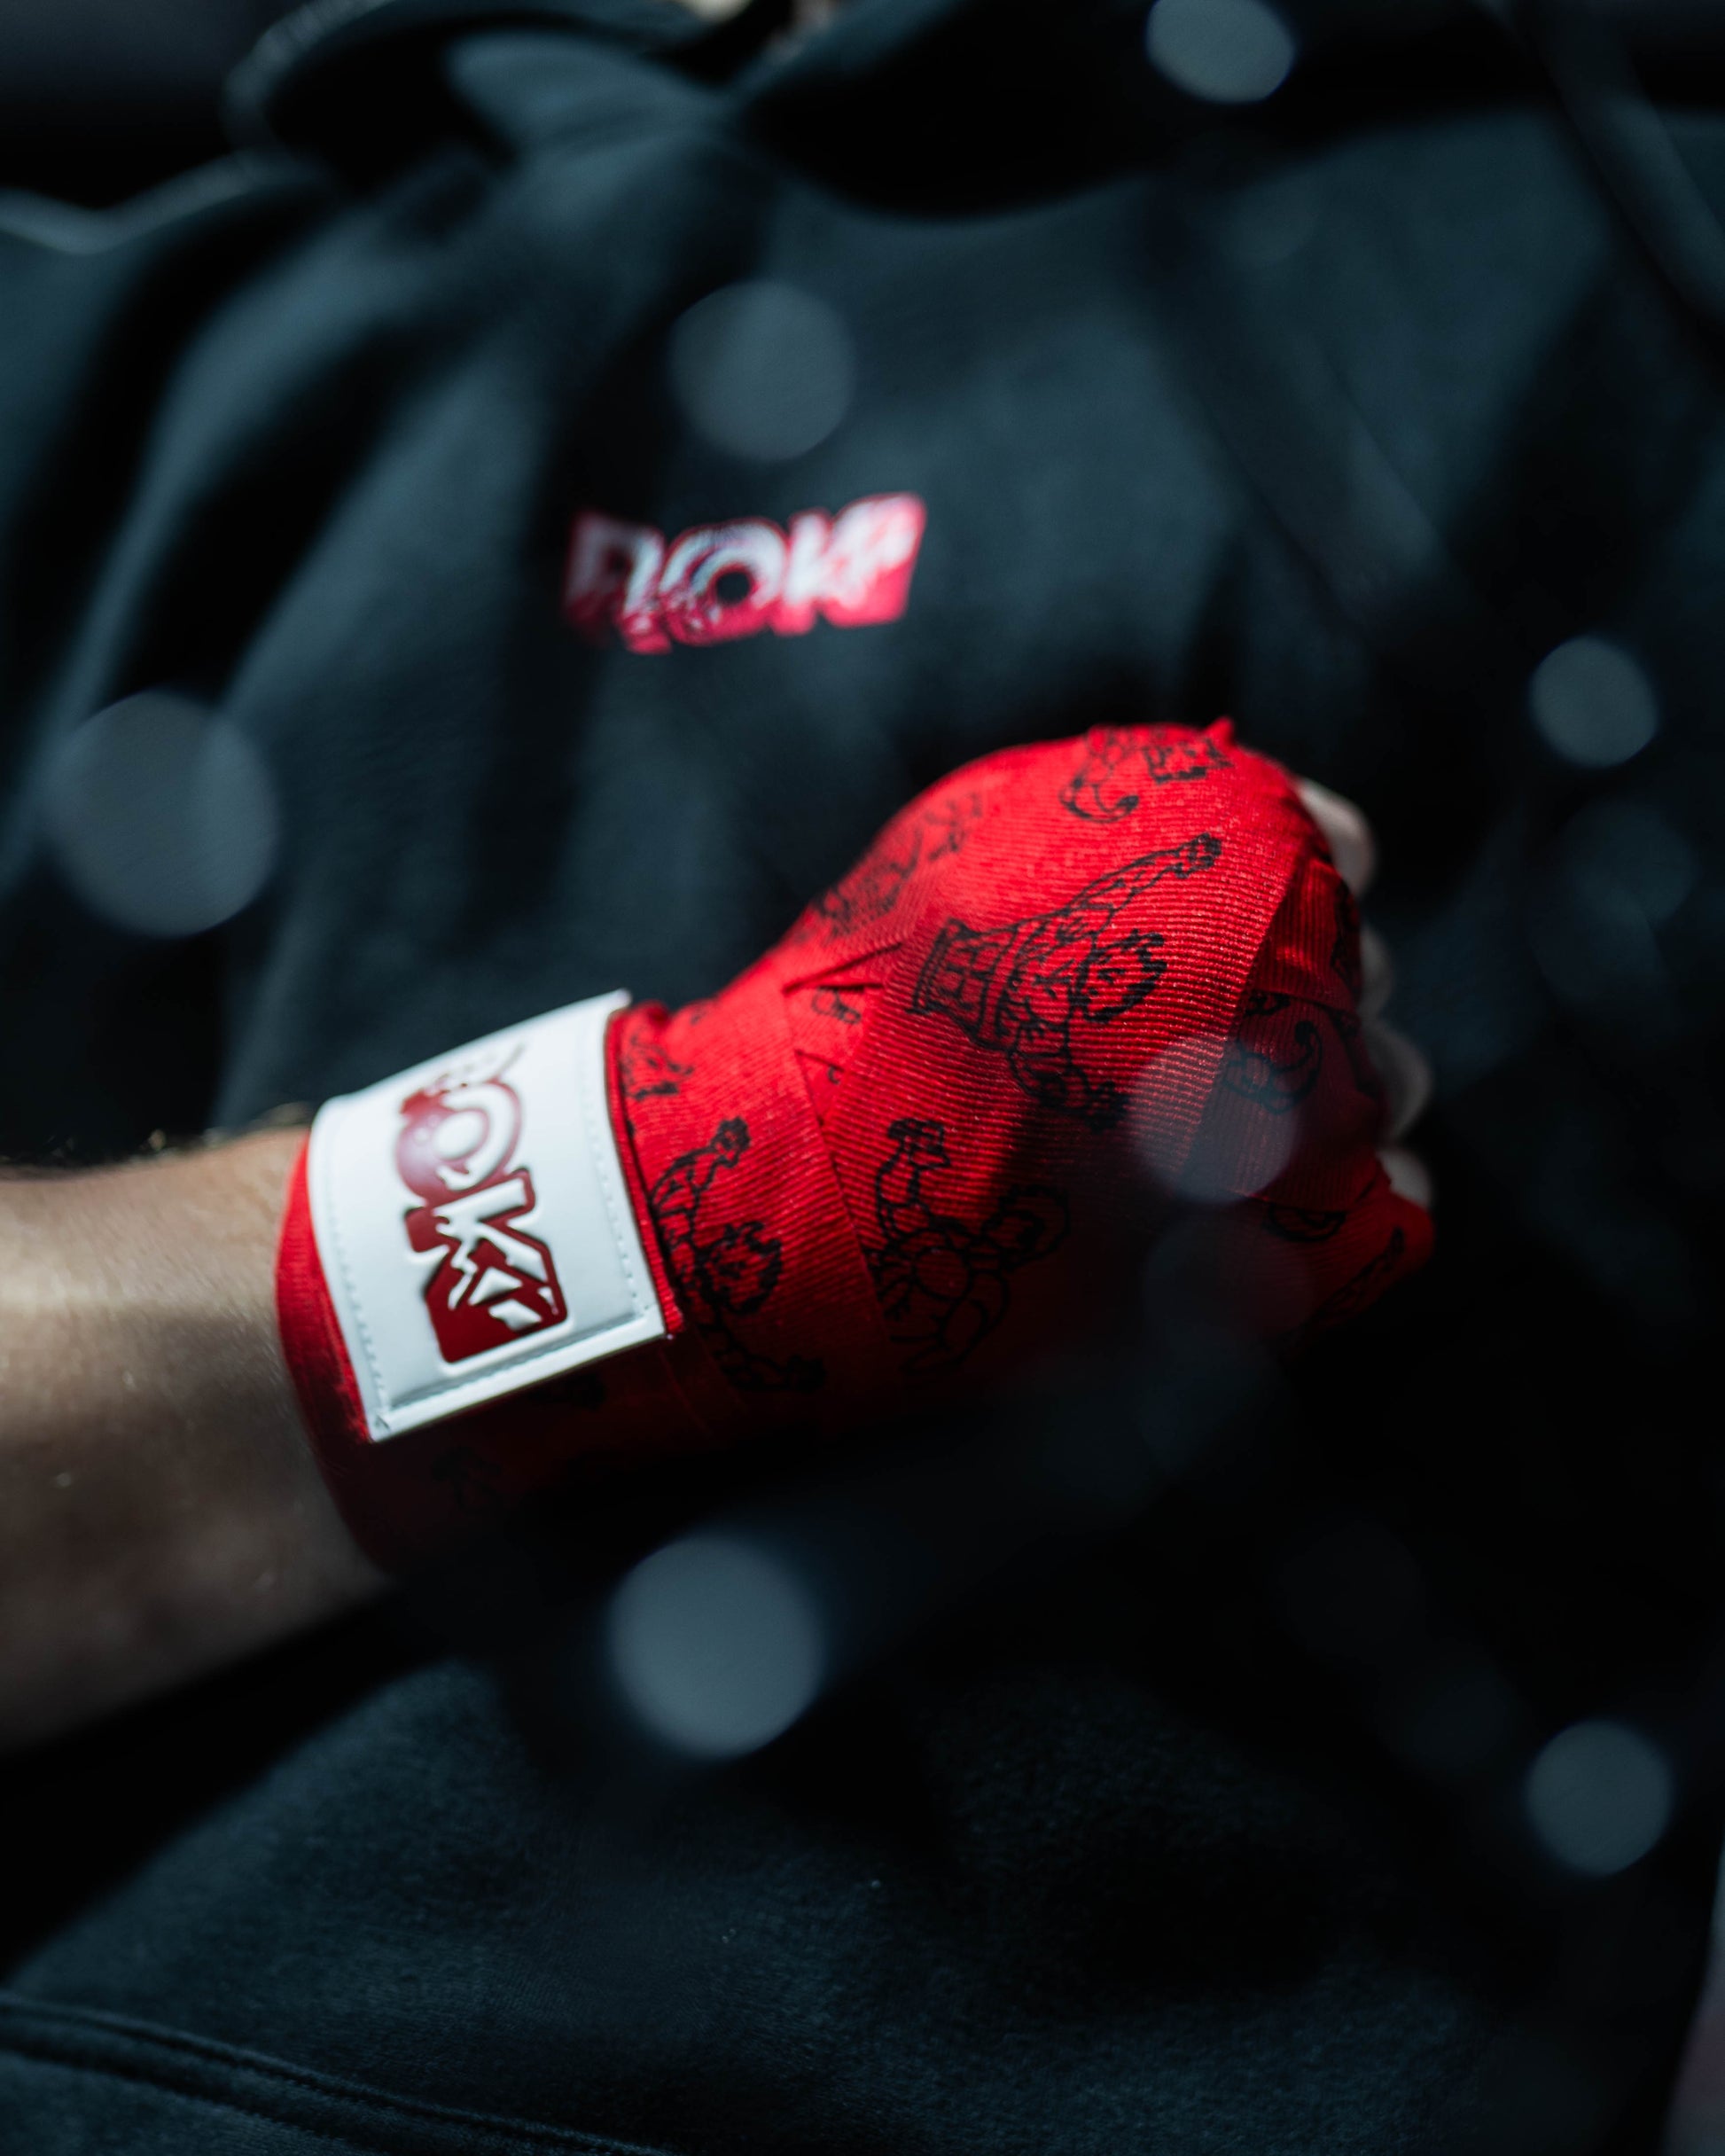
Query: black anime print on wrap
x=1108 y=784
x=872 y=889
x=1363 y=1288
x=727 y=1273
x=1019 y=989
x=1275 y=1083
x=828 y=1020
x=1303 y=1223
x=941 y=1283
x=834 y=1004
x=646 y=1068
x=1351 y=1032
x=1345 y=952
x=1344 y=962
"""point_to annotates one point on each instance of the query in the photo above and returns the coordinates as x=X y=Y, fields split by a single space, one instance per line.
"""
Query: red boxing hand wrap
x=1068 y=989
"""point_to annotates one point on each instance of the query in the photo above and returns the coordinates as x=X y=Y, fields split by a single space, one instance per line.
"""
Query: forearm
x=160 y=1511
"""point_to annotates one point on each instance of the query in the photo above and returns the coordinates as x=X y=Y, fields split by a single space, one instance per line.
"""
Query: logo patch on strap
x=496 y=1280
x=474 y=1225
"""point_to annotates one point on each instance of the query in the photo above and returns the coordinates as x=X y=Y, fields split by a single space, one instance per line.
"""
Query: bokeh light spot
x=1240 y=1145
x=715 y=1645
x=1630 y=849
x=1600 y=1796
x=1452 y=1718
x=162 y=816
x=1226 y=51
x=762 y=369
x=1618 y=872
x=1593 y=703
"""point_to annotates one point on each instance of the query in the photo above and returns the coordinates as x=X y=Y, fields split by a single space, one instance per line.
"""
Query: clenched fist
x=1071 y=992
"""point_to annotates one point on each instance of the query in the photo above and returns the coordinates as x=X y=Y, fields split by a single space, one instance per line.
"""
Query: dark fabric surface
x=1336 y=426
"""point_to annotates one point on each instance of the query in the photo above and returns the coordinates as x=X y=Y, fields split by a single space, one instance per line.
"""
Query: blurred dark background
x=100 y=98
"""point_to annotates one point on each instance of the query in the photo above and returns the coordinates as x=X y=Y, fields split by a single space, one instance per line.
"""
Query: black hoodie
x=1182 y=1783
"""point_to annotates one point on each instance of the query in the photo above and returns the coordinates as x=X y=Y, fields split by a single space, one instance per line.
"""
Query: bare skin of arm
x=161 y=1512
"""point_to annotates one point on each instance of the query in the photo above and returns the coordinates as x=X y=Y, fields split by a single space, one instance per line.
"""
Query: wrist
x=159 y=1512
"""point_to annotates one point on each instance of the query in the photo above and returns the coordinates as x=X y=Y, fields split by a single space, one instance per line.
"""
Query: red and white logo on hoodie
x=718 y=581
x=496 y=1281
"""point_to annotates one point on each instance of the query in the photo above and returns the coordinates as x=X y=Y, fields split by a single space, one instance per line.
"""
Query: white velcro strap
x=473 y=1224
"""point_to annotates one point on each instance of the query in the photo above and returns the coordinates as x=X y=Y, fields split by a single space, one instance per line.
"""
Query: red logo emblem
x=456 y=1151
x=717 y=582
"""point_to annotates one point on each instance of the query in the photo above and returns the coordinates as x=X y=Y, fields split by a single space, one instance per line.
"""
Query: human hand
x=1406 y=1073
x=1072 y=992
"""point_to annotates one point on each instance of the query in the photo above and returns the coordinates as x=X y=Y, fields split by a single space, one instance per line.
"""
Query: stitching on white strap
x=349 y=1300
x=603 y=1145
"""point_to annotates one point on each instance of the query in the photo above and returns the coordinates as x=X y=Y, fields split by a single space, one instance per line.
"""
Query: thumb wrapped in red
x=1068 y=988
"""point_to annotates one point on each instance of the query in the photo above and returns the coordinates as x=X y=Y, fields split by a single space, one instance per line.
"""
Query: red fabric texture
x=1071 y=990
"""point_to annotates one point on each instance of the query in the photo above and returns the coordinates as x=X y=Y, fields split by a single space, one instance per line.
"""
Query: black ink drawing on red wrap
x=725 y=1273
x=1020 y=990
x=1119 y=763
x=940 y=1282
x=872 y=889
